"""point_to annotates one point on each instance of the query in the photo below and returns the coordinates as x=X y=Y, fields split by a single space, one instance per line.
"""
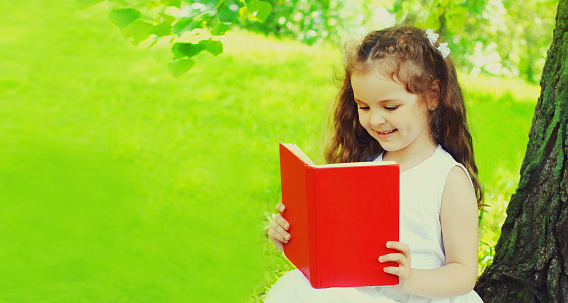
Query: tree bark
x=531 y=256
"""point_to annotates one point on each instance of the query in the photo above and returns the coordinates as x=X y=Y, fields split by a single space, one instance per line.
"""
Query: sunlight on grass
x=516 y=90
x=500 y=113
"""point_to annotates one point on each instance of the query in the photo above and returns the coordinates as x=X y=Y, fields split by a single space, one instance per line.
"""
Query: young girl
x=401 y=101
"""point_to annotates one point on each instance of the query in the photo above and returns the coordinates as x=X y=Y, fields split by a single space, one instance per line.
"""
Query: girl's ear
x=433 y=96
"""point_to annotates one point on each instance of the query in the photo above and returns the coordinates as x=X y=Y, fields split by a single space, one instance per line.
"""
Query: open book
x=341 y=216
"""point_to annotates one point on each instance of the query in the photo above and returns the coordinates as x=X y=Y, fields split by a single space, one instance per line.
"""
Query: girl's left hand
x=403 y=260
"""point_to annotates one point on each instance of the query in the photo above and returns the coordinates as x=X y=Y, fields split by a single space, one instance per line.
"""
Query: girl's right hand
x=278 y=230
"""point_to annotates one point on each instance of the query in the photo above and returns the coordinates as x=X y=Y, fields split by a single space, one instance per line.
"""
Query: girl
x=401 y=101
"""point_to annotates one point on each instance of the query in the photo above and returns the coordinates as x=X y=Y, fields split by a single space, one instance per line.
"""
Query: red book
x=341 y=216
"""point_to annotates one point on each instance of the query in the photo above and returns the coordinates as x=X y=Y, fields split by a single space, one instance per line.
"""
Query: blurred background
x=122 y=183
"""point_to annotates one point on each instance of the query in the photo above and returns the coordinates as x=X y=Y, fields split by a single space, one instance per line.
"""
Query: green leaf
x=168 y=19
x=162 y=29
x=176 y=3
x=185 y=49
x=439 y=11
x=264 y=9
x=123 y=16
x=179 y=27
x=188 y=24
x=258 y=10
x=400 y=16
x=137 y=31
x=153 y=43
x=407 y=6
x=220 y=28
x=214 y=47
x=432 y=19
x=243 y=14
x=180 y=66
x=456 y=19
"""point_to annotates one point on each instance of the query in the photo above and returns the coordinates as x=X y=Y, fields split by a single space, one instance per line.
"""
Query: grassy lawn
x=120 y=183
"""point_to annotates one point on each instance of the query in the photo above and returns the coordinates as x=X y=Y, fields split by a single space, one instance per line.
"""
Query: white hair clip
x=432 y=36
x=442 y=47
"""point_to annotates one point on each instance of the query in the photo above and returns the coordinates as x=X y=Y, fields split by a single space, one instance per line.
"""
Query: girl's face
x=391 y=115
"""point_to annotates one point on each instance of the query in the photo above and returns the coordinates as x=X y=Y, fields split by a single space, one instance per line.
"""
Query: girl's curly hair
x=431 y=77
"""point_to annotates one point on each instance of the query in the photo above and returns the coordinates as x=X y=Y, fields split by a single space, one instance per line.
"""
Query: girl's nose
x=377 y=118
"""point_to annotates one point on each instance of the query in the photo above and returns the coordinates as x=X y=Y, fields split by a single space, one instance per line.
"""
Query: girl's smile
x=386 y=134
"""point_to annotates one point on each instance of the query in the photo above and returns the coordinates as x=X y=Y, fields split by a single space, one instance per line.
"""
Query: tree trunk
x=531 y=258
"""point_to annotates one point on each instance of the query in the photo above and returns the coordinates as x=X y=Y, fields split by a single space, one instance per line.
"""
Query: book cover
x=341 y=216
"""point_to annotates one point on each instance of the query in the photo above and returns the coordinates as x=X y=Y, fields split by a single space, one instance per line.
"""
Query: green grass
x=500 y=114
x=120 y=183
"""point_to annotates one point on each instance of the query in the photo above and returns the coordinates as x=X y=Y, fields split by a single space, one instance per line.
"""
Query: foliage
x=336 y=21
x=184 y=23
x=311 y=21
x=523 y=40
x=446 y=16
x=497 y=37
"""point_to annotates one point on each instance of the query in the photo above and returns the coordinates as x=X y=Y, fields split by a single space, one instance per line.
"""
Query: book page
x=302 y=156
x=357 y=164
x=299 y=153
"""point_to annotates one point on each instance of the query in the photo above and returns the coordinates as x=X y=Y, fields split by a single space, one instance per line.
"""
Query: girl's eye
x=363 y=107
x=391 y=108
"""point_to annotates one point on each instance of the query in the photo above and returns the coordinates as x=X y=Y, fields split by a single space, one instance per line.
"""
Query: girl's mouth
x=386 y=133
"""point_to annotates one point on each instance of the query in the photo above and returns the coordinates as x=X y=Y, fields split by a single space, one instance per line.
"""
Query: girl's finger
x=282 y=222
x=280 y=208
x=396 y=257
x=393 y=270
x=278 y=229
x=403 y=248
x=273 y=234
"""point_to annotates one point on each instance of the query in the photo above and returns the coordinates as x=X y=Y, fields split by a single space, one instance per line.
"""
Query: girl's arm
x=459 y=230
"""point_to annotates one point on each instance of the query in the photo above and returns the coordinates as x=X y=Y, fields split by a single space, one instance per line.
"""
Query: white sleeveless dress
x=421 y=190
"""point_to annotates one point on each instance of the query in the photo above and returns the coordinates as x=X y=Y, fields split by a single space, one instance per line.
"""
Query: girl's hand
x=278 y=230
x=403 y=260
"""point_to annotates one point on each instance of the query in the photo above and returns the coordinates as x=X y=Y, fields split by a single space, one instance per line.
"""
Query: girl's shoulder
x=451 y=163
x=435 y=171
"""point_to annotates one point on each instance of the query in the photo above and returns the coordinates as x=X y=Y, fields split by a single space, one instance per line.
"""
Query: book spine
x=313 y=232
